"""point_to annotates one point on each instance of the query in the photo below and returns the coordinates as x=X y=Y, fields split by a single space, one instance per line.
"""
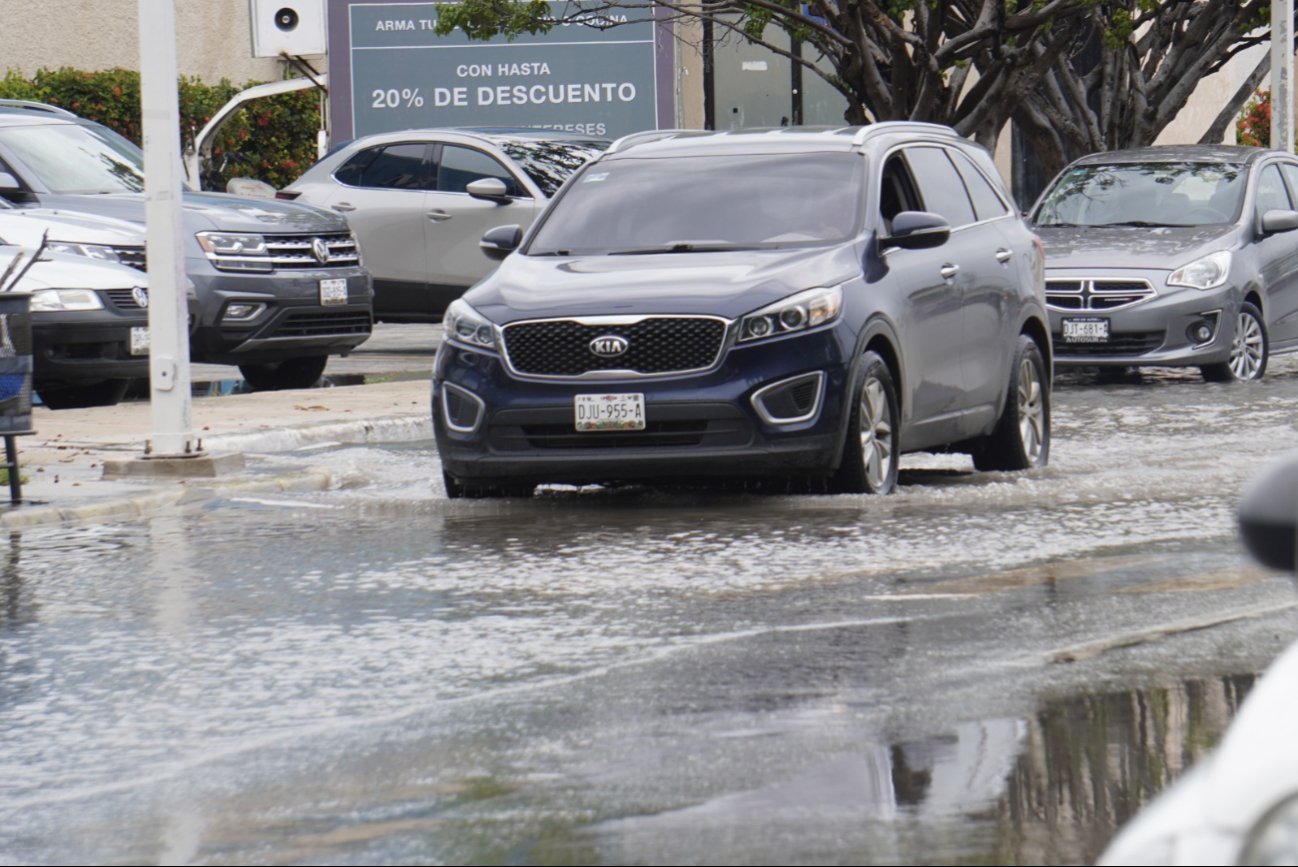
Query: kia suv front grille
x=647 y=346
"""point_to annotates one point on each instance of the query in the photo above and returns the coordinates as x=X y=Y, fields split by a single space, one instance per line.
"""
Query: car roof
x=1213 y=153
x=493 y=134
x=783 y=139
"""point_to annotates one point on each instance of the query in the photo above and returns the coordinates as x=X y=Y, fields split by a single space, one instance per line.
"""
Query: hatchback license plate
x=139 y=341
x=333 y=291
x=1086 y=330
x=600 y=412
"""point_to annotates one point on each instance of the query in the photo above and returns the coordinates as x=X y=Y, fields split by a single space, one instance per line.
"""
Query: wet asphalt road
x=983 y=667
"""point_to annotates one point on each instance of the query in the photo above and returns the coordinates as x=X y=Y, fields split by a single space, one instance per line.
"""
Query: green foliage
x=1253 y=126
x=485 y=19
x=271 y=139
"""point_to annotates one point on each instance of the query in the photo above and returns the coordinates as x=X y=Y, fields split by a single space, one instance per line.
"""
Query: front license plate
x=596 y=412
x=139 y=341
x=333 y=291
x=1086 y=330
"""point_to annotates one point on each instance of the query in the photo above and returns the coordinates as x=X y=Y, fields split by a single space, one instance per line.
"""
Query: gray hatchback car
x=1173 y=256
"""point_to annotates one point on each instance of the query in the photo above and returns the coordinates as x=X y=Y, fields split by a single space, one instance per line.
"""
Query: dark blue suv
x=791 y=306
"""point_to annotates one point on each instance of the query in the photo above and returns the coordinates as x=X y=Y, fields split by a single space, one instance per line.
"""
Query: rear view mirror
x=918 y=230
x=1279 y=221
x=1268 y=514
x=490 y=189
x=499 y=242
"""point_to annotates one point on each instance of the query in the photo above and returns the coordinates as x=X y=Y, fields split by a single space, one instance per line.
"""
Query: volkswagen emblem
x=141 y=297
x=609 y=345
x=320 y=250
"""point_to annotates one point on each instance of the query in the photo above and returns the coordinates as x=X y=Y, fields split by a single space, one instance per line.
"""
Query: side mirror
x=1268 y=514
x=1279 y=221
x=499 y=242
x=918 y=230
x=490 y=189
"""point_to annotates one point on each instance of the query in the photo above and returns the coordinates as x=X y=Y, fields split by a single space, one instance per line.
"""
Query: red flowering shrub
x=1253 y=127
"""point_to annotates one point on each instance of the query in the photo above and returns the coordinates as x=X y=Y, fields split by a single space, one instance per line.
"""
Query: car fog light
x=242 y=312
x=1202 y=331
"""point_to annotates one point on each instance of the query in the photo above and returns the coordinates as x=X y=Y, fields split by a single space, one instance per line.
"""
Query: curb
x=390 y=429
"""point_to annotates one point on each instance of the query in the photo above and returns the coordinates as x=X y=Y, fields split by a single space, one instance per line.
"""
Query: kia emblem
x=609 y=345
x=320 y=250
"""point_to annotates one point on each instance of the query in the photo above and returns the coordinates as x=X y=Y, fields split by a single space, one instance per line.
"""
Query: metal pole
x=1282 y=71
x=169 y=376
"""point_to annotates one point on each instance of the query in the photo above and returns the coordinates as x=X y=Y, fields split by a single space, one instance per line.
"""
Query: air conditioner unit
x=294 y=27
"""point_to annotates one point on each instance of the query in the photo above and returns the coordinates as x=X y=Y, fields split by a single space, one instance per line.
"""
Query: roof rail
x=639 y=138
x=32 y=105
x=886 y=126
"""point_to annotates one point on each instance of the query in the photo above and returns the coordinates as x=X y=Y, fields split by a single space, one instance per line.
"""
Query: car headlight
x=1274 y=839
x=466 y=325
x=66 y=299
x=92 y=251
x=236 y=251
x=795 y=313
x=1206 y=273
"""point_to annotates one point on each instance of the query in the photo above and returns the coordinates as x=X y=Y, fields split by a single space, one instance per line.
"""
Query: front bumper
x=1156 y=332
x=292 y=323
x=701 y=426
x=85 y=346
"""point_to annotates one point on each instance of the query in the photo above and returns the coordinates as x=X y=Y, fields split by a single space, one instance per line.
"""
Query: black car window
x=1271 y=192
x=394 y=167
x=460 y=166
x=550 y=163
x=987 y=202
x=896 y=191
x=940 y=186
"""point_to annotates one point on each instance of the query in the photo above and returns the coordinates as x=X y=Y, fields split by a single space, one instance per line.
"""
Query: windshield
x=77 y=158
x=550 y=163
x=1145 y=194
x=712 y=202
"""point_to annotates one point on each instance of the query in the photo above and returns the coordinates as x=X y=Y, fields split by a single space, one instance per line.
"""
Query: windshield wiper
x=1139 y=224
x=683 y=247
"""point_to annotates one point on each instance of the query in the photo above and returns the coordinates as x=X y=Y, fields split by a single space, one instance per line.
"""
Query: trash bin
x=15 y=363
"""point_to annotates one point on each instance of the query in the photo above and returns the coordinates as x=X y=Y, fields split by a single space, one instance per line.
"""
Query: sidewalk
x=62 y=463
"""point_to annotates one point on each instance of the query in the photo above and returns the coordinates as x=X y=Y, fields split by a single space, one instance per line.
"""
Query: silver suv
x=420 y=199
x=279 y=286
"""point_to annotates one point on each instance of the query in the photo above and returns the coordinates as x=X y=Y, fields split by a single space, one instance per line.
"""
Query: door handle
x=1004 y=255
x=438 y=216
x=344 y=207
x=949 y=271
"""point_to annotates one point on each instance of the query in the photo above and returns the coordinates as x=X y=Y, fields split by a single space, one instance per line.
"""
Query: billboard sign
x=397 y=73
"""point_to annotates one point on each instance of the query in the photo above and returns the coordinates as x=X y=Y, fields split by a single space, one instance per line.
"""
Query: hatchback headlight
x=795 y=313
x=236 y=251
x=466 y=325
x=92 y=251
x=1206 y=273
x=66 y=299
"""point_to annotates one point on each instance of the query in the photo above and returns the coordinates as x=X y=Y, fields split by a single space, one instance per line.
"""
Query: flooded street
x=981 y=668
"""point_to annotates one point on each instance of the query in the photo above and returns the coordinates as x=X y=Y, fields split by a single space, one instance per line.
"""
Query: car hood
x=65 y=271
x=26 y=226
x=205 y=211
x=1162 y=248
x=729 y=283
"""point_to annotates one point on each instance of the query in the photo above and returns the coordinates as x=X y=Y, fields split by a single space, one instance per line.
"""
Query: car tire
x=457 y=489
x=870 y=449
x=108 y=392
x=289 y=373
x=1250 y=349
x=1021 y=439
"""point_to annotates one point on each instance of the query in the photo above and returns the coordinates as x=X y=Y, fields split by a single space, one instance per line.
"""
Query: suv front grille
x=1096 y=294
x=303 y=324
x=123 y=299
x=654 y=345
x=131 y=256
x=295 y=251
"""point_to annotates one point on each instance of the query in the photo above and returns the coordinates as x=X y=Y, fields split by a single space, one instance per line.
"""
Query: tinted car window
x=458 y=167
x=1271 y=194
x=801 y=199
x=77 y=158
x=1162 y=193
x=397 y=167
x=940 y=186
x=550 y=163
x=987 y=203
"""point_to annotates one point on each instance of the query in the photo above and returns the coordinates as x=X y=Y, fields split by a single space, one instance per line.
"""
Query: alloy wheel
x=1246 y=351
x=1032 y=410
x=876 y=433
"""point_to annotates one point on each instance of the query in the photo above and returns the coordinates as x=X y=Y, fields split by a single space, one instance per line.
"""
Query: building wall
x=214 y=38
